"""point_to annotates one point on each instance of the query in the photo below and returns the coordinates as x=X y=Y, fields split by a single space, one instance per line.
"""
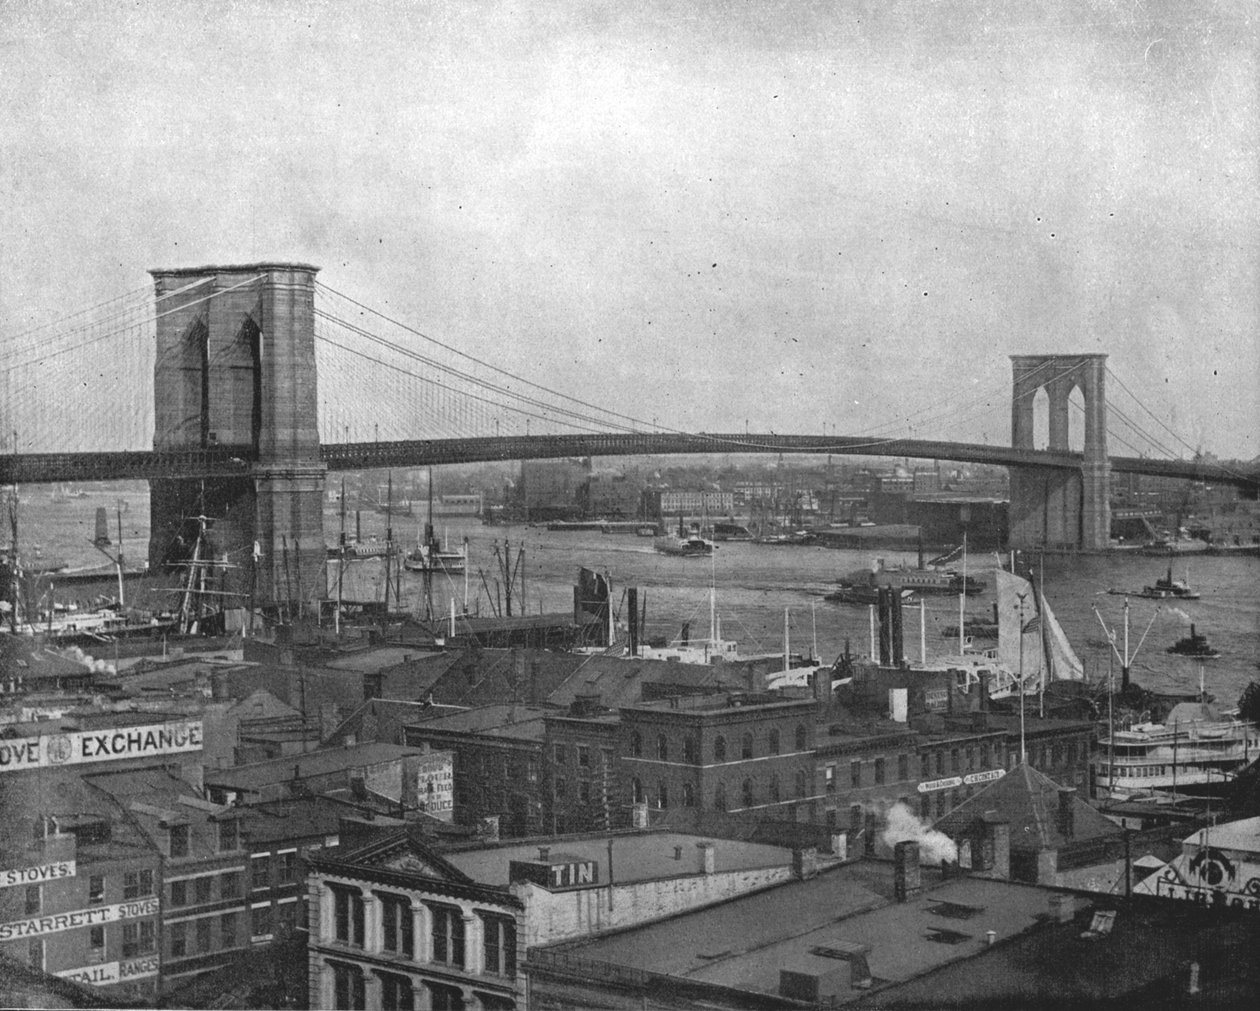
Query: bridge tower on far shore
x=1061 y=509
x=238 y=370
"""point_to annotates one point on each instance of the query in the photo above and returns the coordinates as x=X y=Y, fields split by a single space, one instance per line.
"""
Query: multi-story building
x=395 y=926
x=582 y=769
x=728 y=752
x=694 y=503
x=204 y=911
x=498 y=757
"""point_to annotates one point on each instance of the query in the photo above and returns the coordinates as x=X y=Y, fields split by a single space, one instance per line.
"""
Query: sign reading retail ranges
x=971 y=779
x=113 y=972
x=36 y=875
x=114 y=744
x=56 y=922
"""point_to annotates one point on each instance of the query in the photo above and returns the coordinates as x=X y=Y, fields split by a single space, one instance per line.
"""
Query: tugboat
x=1194 y=645
x=1165 y=588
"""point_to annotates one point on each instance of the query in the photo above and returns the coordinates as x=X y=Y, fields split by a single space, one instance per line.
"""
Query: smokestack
x=1067 y=812
x=632 y=602
x=898 y=632
x=907 y=877
x=883 y=596
x=686 y=632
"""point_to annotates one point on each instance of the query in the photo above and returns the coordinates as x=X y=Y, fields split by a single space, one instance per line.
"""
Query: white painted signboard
x=114 y=744
x=13 y=876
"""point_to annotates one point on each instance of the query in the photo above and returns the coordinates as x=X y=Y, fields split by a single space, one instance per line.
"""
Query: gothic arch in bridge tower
x=1061 y=509
x=235 y=367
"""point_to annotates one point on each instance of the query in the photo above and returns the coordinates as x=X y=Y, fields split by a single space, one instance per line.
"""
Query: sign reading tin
x=113 y=972
x=36 y=875
x=53 y=750
x=93 y=917
x=561 y=875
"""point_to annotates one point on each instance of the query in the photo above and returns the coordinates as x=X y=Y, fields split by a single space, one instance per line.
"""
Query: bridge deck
x=226 y=461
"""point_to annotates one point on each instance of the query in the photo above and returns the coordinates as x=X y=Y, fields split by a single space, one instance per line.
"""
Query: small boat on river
x=1164 y=588
x=1194 y=645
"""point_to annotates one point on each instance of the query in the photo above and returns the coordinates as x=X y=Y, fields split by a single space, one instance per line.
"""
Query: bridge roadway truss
x=237 y=461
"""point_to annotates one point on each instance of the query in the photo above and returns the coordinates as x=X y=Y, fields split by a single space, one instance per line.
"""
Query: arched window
x=636 y=744
x=689 y=795
x=719 y=797
x=662 y=796
x=719 y=749
x=774 y=789
x=662 y=748
x=800 y=739
x=774 y=741
x=746 y=748
x=636 y=789
x=800 y=782
x=690 y=751
x=748 y=793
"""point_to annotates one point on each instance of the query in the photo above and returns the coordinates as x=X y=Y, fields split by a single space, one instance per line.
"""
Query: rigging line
x=472 y=358
x=105 y=319
x=474 y=380
x=1120 y=439
x=129 y=326
x=464 y=393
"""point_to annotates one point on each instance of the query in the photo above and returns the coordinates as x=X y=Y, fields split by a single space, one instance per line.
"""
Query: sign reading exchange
x=53 y=750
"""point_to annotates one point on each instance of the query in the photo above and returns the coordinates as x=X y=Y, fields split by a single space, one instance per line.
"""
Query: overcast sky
x=796 y=213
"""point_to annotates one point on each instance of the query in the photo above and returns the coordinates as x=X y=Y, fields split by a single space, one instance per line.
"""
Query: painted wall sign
x=56 y=922
x=435 y=784
x=80 y=747
x=556 y=876
x=940 y=784
x=113 y=972
x=12 y=876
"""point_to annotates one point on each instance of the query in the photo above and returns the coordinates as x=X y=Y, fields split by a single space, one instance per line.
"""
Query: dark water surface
x=755 y=583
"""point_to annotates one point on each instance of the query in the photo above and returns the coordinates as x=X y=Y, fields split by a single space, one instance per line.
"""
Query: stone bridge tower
x=238 y=370
x=1061 y=509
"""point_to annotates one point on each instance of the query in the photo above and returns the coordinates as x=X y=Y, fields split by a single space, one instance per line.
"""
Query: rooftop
x=512 y=720
x=369 y=661
x=646 y=856
x=313 y=763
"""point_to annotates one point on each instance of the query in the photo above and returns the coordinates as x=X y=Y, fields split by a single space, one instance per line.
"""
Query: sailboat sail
x=1019 y=649
x=1065 y=665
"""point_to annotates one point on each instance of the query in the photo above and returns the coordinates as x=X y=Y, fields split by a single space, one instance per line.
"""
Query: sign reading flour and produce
x=49 y=751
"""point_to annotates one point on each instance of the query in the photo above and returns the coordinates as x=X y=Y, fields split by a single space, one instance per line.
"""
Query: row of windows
x=446 y=943
x=218 y=933
x=228 y=839
x=748 y=793
x=585 y=790
x=581 y=755
x=138 y=938
x=691 y=751
x=400 y=993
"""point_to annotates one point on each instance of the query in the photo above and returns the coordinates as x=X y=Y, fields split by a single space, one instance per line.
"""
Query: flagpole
x=962 y=603
x=1023 y=749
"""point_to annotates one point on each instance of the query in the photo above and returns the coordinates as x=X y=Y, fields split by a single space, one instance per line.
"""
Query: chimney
x=535 y=687
x=907 y=878
x=677 y=852
x=544 y=853
x=488 y=828
x=706 y=856
x=898 y=704
x=218 y=686
x=1061 y=908
x=805 y=863
x=686 y=632
x=358 y=788
x=1067 y=812
x=638 y=816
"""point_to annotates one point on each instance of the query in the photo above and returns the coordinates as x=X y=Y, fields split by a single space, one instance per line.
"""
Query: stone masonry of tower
x=238 y=370
x=1060 y=509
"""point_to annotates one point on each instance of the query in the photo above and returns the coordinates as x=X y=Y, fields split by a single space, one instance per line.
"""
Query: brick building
x=729 y=752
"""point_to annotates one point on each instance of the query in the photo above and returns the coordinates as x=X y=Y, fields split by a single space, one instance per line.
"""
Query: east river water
x=755 y=583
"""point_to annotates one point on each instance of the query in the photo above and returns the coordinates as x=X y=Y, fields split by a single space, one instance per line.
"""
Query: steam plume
x=934 y=847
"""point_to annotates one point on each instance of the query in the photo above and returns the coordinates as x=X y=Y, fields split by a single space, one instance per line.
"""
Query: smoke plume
x=902 y=824
x=1180 y=615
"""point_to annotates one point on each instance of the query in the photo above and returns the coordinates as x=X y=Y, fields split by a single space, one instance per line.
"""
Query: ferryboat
x=1196 y=750
x=687 y=544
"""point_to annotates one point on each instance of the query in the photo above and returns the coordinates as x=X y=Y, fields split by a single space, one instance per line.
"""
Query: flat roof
x=372 y=660
x=641 y=857
x=744 y=943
